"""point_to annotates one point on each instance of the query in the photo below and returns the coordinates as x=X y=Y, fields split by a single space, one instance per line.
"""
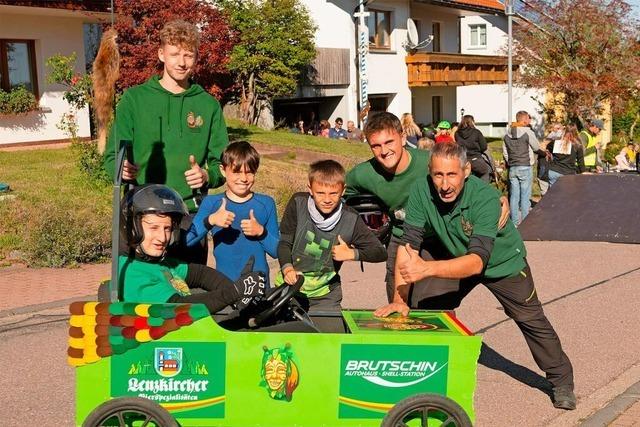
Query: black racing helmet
x=150 y=199
x=374 y=213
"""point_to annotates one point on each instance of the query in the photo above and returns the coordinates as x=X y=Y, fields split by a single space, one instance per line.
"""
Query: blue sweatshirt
x=232 y=248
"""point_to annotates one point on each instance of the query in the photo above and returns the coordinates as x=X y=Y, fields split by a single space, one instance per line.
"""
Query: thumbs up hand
x=412 y=269
x=342 y=251
x=196 y=176
x=222 y=217
x=251 y=227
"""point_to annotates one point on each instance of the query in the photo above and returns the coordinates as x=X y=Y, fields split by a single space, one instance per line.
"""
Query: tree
x=275 y=47
x=138 y=24
x=583 y=51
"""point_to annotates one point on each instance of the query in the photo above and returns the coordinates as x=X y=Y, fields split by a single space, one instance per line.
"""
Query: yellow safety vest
x=590 y=151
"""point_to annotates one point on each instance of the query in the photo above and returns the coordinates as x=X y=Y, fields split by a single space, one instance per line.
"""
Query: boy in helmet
x=152 y=215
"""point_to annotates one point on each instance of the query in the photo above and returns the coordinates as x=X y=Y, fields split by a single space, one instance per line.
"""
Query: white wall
x=52 y=35
x=488 y=104
x=422 y=101
x=496 y=35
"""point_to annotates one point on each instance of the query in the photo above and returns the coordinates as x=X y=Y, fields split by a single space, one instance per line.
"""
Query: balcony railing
x=89 y=5
x=453 y=69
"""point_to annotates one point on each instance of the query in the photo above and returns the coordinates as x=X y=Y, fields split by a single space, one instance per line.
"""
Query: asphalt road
x=589 y=291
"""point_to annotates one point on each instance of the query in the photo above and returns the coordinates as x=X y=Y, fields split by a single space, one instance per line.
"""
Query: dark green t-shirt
x=476 y=212
x=371 y=178
x=152 y=282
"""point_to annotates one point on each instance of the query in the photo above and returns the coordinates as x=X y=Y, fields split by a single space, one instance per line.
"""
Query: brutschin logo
x=374 y=377
x=393 y=373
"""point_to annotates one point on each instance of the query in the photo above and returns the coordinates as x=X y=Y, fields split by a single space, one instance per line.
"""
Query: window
x=17 y=65
x=478 y=35
x=435 y=30
x=379 y=22
x=436 y=109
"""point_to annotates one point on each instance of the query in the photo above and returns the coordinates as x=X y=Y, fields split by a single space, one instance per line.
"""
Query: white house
x=30 y=33
x=464 y=67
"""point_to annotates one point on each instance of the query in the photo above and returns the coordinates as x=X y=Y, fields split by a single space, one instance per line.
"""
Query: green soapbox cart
x=173 y=364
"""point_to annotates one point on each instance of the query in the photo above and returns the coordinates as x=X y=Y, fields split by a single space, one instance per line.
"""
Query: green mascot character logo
x=279 y=372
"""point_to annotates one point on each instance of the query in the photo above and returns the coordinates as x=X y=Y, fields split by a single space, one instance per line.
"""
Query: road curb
x=44 y=306
x=613 y=410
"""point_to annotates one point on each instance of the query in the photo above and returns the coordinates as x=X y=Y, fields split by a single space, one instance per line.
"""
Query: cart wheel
x=129 y=412
x=426 y=410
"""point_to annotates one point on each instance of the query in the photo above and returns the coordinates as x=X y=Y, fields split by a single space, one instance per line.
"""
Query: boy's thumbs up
x=222 y=217
x=251 y=227
x=342 y=251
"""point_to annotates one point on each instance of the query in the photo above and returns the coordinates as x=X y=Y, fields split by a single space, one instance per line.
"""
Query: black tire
x=124 y=411
x=423 y=407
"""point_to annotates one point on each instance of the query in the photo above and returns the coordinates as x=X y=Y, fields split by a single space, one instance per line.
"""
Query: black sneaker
x=563 y=397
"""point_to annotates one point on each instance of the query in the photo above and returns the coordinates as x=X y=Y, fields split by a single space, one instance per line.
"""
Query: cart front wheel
x=426 y=410
x=129 y=412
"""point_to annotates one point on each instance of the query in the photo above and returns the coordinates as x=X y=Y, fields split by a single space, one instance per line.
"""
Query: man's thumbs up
x=342 y=251
x=196 y=176
x=222 y=217
x=412 y=269
x=251 y=227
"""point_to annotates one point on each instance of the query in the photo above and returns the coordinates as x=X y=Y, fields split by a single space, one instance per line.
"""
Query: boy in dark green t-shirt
x=151 y=217
x=461 y=212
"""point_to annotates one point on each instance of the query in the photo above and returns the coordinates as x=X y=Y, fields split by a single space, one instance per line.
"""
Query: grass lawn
x=59 y=217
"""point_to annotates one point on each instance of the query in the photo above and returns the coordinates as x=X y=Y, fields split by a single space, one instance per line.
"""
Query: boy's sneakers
x=563 y=397
x=249 y=285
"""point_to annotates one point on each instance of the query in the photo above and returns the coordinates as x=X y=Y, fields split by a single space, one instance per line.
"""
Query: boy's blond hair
x=180 y=33
x=327 y=172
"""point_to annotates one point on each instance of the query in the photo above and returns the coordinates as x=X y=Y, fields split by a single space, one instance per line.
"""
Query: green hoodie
x=166 y=129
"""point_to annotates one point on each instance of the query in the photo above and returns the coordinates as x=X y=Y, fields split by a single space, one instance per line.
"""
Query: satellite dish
x=412 y=32
x=412 y=42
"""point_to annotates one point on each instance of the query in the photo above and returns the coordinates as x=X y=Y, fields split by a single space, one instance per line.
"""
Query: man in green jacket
x=461 y=212
x=176 y=128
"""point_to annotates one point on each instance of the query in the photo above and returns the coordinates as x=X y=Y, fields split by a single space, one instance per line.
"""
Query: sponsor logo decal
x=185 y=377
x=375 y=377
x=279 y=372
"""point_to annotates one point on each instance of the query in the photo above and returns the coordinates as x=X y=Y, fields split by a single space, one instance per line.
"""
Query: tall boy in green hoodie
x=176 y=128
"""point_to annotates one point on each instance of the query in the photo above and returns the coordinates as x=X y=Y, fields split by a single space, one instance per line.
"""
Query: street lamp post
x=509 y=12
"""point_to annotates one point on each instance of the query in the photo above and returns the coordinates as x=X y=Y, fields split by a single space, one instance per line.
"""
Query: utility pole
x=363 y=51
x=508 y=4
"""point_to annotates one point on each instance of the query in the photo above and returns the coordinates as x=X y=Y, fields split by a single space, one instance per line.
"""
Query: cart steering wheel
x=277 y=299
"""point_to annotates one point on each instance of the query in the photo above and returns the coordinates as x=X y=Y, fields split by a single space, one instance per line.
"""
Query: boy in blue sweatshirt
x=242 y=223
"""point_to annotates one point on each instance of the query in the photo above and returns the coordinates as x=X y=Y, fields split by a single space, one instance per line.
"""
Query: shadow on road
x=494 y=360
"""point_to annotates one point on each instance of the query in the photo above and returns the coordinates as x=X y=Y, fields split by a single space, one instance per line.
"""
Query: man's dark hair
x=382 y=121
x=339 y=120
x=240 y=153
x=326 y=172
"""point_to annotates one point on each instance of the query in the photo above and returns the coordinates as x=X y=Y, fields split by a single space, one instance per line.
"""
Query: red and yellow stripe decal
x=456 y=323
x=185 y=406
x=362 y=404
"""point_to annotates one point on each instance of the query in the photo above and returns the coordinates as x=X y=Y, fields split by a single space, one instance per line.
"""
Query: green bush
x=63 y=236
x=612 y=150
x=18 y=101
x=89 y=161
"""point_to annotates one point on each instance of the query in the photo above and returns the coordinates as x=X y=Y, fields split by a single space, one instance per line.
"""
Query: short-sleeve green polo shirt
x=476 y=212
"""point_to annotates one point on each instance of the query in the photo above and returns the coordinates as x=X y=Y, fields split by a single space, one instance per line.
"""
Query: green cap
x=444 y=125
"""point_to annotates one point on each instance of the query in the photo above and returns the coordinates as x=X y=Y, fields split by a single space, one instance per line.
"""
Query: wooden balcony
x=454 y=69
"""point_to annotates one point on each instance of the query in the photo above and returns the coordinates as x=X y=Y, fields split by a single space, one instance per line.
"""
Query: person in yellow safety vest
x=588 y=139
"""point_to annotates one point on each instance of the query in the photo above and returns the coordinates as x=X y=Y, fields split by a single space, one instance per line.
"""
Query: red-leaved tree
x=586 y=50
x=138 y=24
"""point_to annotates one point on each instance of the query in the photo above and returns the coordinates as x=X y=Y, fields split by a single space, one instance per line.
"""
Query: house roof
x=483 y=6
x=86 y=5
